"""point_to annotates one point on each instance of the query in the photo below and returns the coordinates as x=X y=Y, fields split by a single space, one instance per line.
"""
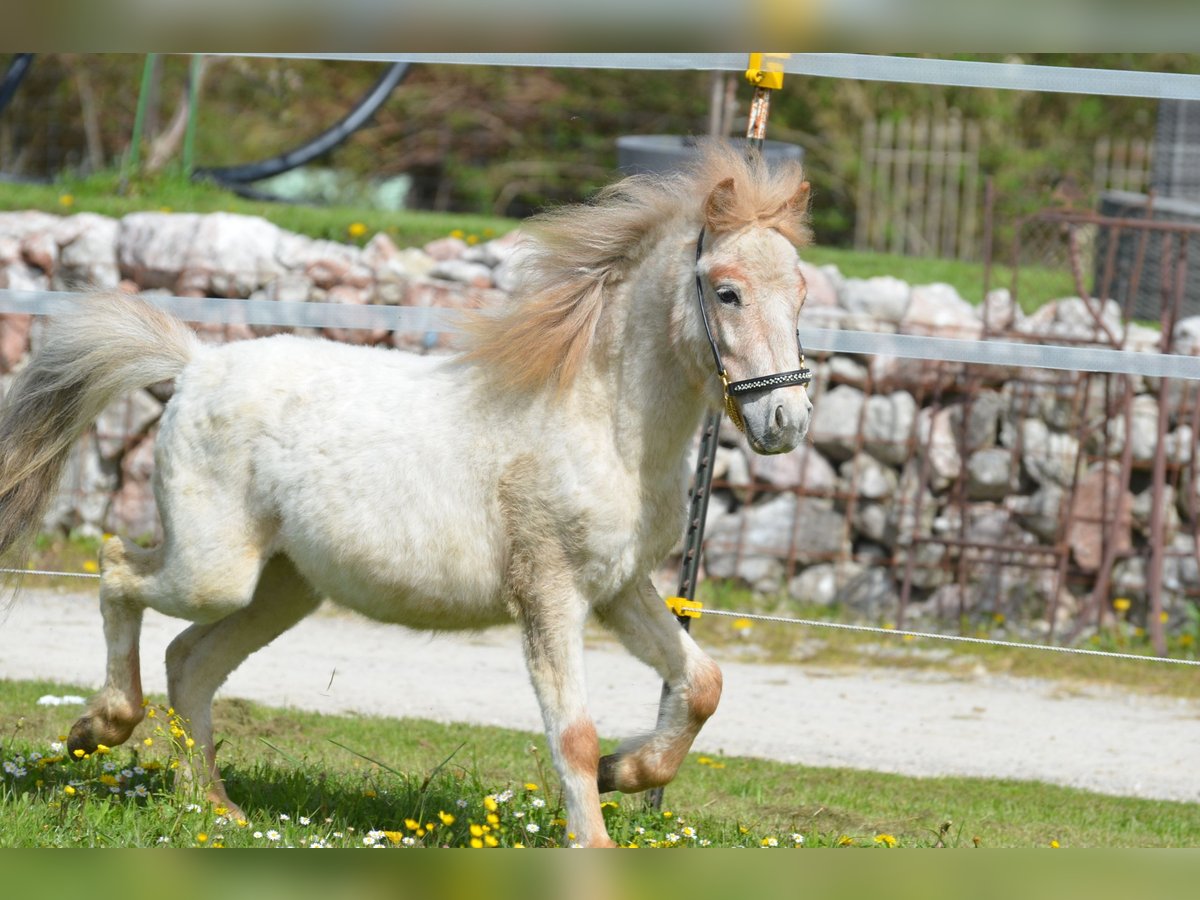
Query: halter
x=750 y=385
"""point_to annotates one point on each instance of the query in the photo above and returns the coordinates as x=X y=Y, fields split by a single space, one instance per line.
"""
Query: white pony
x=538 y=477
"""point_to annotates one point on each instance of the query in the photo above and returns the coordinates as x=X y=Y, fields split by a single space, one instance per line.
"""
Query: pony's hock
x=573 y=411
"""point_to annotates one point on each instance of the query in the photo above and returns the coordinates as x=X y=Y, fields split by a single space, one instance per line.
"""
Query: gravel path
x=916 y=723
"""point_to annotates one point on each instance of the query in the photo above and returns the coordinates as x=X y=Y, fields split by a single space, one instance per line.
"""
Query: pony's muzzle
x=776 y=421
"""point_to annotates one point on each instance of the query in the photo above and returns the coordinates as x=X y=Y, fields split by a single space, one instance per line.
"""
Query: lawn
x=353 y=781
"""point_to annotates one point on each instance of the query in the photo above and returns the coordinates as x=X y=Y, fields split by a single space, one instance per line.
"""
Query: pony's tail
x=115 y=344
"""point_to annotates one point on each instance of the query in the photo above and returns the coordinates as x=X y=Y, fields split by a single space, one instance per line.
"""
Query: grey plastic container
x=662 y=153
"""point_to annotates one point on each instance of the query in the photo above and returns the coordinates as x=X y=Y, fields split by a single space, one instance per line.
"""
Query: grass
x=353 y=781
x=109 y=194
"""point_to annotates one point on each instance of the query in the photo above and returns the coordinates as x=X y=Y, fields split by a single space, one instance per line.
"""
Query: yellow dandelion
x=446 y=818
x=242 y=823
x=101 y=749
x=394 y=836
x=476 y=830
x=1186 y=640
x=493 y=819
x=109 y=780
x=742 y=829
x=150 y=713
x=369 y=794
x=66 y=200
x=420 y=832
x=69 y=791
x=742 y=624
x=190 y=743
x=845 y=840
x=356 y=229
x=491 y=841
x=667 y=814
x=887 y=840
x=149 y=742
x=1054 y=845
x=1164 y=616
x=998 y=618
x=472 y=239
x=1122 y=604
x=490 y=804
x=457 y=233
x=412 y=824
x=477 y=843
x=201 y=838
x=90 y=565
x=78 y=753
x=518 y=846
x=530 y=786
x=220 y=810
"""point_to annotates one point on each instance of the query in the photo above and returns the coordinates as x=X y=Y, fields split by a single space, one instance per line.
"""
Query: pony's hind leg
x=116 y=710
x=646 y=627
x=202 y=657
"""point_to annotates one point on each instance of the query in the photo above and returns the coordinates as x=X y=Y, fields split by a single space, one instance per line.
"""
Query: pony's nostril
x=779 y=416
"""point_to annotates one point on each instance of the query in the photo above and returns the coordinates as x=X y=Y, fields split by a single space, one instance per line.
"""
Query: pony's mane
x=572 y=254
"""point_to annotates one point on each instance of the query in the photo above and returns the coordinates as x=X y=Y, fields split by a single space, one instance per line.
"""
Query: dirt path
x=917 y=723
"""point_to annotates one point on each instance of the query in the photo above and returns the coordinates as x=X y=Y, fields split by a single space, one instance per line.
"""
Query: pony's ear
x=718 y=205
x=799 y=202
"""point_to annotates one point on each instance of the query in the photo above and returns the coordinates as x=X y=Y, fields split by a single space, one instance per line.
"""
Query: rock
x=18 y=225
x=40 y=250
x=353 y=296
x=871 y=594
x=1101 y=502
x=822 y=292
x=871 y=521
x=1179 y=444
x=495 y=252
x=1186 y=336
x=14 y=339
x=1129 y=578
x=10 y=251
x=1143 y=507
x=843 y=369
x=945 y=463
x=834 y=427
x=937 y=309
x=1047 y=456
x=87 y=256
x=153 y=247
x=1076 y=319
x=124 y=421
x=977 y=423
x=446 y=248
x=83 y=493
x=765 y=533
x=474 y=274
x=325 y=263
x=868 y=478
x=803 y=468
x=1144 y=416
x=905 y=521
x=929 y=569
x=134 y=511
x=888 y=424
x=819 y=584
x=1181 y=573
x=882 y=298
x=999 y=311
x=1041 y=512
x=989 y=474
x=233 y=255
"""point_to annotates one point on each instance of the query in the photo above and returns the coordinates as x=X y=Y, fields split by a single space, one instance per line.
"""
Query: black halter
x=750 y=385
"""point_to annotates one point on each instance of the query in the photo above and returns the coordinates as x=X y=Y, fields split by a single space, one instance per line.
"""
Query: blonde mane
x=572 y=255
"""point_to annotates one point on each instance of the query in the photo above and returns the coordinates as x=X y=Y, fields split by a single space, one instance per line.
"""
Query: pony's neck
x=648 y=366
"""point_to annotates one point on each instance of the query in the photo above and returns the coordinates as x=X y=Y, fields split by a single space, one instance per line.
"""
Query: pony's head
x=750 y=290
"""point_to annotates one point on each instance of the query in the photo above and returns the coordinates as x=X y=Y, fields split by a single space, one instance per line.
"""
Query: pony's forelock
x=571 y=254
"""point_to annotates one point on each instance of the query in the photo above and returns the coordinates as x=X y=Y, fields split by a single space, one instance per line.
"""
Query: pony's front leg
x=642 y=622
x=553 y=632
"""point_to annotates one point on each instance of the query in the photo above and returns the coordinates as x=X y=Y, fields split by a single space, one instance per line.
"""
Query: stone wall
x=927 y=489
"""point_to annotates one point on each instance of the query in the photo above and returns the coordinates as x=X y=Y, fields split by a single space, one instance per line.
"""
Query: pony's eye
x=728 y=296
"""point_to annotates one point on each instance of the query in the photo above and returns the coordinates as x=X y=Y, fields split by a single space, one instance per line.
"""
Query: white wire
x=946 y=637
x=817 y=623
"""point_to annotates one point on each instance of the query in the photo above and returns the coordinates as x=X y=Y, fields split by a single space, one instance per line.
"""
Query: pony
x=539 y=475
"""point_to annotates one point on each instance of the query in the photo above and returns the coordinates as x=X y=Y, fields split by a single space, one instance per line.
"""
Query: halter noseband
x=750 y=385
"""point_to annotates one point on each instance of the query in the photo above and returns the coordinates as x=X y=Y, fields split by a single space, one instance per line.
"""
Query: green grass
x=109 y=194
x=350 y=776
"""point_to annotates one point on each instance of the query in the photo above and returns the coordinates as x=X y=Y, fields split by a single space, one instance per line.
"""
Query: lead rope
x=764 y=82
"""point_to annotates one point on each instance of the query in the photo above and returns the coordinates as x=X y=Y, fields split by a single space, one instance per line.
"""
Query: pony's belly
x=424 y=603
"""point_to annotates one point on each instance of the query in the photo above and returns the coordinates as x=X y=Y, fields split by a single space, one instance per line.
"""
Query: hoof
x=82 y=737
x=606 y=774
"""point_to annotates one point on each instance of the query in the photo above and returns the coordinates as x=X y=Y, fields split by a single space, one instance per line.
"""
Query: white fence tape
x=854 y=66
x=212 y=310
